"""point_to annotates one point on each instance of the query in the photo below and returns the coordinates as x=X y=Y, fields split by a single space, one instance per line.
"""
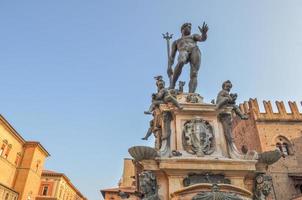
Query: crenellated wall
x=252 y=107
x=264 y=130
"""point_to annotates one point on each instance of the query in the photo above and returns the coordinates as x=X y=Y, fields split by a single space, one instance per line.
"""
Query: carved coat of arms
x=198 y=137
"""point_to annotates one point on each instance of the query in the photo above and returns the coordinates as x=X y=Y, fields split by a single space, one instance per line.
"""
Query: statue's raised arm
x=203 y=33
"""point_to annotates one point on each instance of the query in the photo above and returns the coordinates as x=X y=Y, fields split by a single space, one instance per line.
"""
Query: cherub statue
x=162 y=96
x=227 y=99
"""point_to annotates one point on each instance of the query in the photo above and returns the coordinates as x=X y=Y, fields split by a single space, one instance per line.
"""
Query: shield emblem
x=198 y=137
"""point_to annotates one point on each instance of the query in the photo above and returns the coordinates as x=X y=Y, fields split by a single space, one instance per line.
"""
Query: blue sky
x=77 y=75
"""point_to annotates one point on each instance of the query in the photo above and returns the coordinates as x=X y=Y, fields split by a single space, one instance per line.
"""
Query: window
x=7 y=150
x=38 y=165
x=45 y=190
x=60 y=194
x=3 y=146
x=2 y=149
x=6 y=196
x=285 y=149
x=18 y=158
x=284 y=145
x=278 y=145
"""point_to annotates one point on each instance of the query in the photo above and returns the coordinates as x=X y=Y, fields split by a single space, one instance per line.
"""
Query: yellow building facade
x=21 y=164
x=57 y=186
x=127 y=183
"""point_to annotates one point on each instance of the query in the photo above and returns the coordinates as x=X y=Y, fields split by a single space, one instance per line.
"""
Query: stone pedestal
x=172 y=173
x=182 y=169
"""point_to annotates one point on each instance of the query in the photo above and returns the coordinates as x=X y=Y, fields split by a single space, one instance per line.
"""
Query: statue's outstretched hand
x=204 y=28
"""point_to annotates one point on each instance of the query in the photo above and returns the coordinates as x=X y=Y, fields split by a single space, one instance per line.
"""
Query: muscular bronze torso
x=186 y=43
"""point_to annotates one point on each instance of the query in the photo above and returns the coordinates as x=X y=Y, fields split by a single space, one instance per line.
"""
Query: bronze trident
x=168 y=37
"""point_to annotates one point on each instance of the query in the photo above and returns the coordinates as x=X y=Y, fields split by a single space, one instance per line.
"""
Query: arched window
x=284 y=145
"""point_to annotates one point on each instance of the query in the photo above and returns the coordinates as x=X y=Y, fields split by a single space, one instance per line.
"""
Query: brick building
x=268 y=130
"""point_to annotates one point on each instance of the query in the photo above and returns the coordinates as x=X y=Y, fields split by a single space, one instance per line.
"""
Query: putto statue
x=227 y=99
x=226 y=103
x=162 y=96
x=188 y=52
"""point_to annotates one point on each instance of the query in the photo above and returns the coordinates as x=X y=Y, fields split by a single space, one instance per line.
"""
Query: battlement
x=252 y=107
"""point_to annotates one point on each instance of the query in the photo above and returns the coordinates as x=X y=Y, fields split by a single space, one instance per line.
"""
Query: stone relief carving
x=198 y=137
x=263 y=187
x=215 y=194
x=194 y=178
x=148 y=186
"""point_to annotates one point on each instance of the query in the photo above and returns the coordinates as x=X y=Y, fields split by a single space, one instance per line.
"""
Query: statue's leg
x=151 y=108
x=148 y=134
x=195 y=65
x=173 y=100
x=182 y=59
